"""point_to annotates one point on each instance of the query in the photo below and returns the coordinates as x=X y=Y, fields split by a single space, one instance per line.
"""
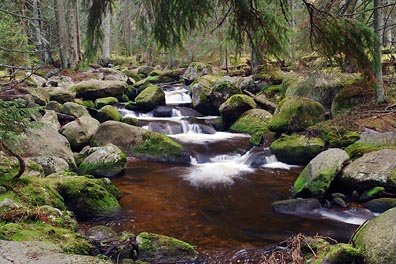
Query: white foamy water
x=206 y=138
x=176 y=97
x=223 y=169
x=353 y=216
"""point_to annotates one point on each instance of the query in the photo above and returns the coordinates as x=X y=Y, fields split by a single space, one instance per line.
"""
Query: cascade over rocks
x=376 y=239
x=377 y=168
x=317 y=176
x=296 y=114
x=138 y=142
x=107 y=161
x=80 y=132
x=297 y=149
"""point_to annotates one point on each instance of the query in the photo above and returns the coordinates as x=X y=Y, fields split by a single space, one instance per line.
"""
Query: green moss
x=305 y=187
x=157 y=145
x=335 y=136
x=150 y=97
x=297 y=149
x=296 y=114
x=132 y=74
x=110 y=168
x=86 y=198
x=129 y=120
x=358 y=149
x=100 y=102
x=67 y=239
x=110 y=113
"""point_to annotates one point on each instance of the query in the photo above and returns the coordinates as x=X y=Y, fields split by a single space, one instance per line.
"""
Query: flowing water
x=221 y=202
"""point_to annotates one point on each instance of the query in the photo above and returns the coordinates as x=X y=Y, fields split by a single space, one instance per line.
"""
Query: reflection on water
x=157 y=199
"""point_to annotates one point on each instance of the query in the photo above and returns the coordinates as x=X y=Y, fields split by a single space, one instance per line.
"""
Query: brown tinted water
x=157 y=199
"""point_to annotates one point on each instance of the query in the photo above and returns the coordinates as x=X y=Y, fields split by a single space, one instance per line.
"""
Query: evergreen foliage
x=15 y=122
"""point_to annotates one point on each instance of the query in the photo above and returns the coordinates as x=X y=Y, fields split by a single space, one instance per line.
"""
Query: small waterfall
x=176 y=113
x=190 y=128
x=177 y=97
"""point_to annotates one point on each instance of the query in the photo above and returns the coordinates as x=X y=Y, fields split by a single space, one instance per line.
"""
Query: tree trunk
x=292 y=27
x=387 y=16
x=63 y=34
x=37 y=32
x=106 y=38
x=73 y=34
x=378 y=83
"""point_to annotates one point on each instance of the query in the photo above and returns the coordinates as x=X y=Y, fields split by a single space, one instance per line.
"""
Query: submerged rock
x=296 y=149
x=296 y=206
x=296 y=114
x=317 y=176
x=155 y=248
x=376 y=239
x=376 y=168
x=107 y=161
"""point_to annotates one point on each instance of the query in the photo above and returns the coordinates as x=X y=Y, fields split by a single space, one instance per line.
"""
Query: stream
x=221 y=203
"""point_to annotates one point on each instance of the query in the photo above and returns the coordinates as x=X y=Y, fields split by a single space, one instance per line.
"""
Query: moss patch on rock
x=296 y=114
x=297 y=149
x=109 y=112
x=358 y=149
x=150 y=97
x=335 y=136
x=100 y=102
x=235 y=106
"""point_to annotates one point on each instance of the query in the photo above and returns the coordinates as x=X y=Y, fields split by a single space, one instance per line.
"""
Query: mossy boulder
x=195 y=70
x=296 y=114
x=200 y=91
x=145 y=70
x=107 y=161
x=235 y=106
x=60 y=95
x=80 y=132
x=254 y=122
x=100 y=102
x=157 y=76
x=358 y=149
x=108 y=112
x=373 y=169
x=51 y=164
x=40 y=94
x=380 y=205
x=75 y=109
x=55 y=106
x=222 y=90
x=321 y=87
x=150 y=97
x=138 y=142
x=86 y=198
x=320 y=172
x=335 y=136
x=350 y=96
x=93 y=89
x=132 y=74
x=297 y=149
x=130 y=120
x=155 y=248
x=47 y=141
x=376 y=239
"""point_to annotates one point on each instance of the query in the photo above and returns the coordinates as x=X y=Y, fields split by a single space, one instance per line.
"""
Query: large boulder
x=100 y=102
x=51 y=117
x=51 y=164
x=47 y=141
x=80 y=132
x=40 y=95
x=112 y=75
x=107 y=161
x=155 y=248
x=235 y=106
x=251 y=85
x=376 y=239
x=150 y=97
x=322 y=87
x=136 y=141
x=254 y=122
x=296 y=149
x=317 y=176
x=93 y=89
x=60 y=95
x=108 y=112
x=75 y=109
x=222 y=90
x=196 y=70
x=200 y=92
x=375 y=138
x=377 y=168
x=348 y=97
x=87 y=198
x=296 y=114
x=39 y=252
